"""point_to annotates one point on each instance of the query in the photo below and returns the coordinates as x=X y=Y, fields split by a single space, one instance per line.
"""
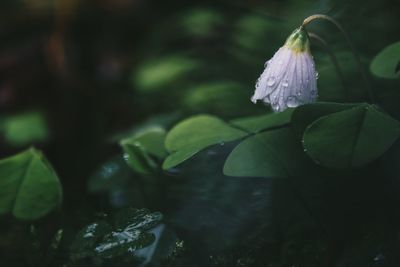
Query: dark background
x=76 y=76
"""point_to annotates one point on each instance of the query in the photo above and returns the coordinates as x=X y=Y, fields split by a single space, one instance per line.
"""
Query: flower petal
x=288 y=80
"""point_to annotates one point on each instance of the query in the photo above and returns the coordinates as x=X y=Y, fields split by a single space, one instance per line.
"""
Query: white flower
x=289 y=78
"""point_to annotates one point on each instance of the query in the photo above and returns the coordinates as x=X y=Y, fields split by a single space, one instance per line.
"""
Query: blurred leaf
x=143 y=148
x=109 y=175
x=29 y=187
x=251 y=31
x=87 y=238
x=162 y=120
x=125 y=241
x=23 y=129
x=194 y=134
x=386 y=63
x=166 y=245
x=202 y=22
x=275 y=153
x=141 y=219
x=129 y=235
x=350 y=138
x=155 y=75
x=115 y=180
x=250 y=35
x=330 y=85
x=222 y=98
x=304 y=115
x=258 y=123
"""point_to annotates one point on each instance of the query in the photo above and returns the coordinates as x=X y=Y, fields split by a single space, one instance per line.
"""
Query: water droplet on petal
x=275 y=106
x=266 y=63
x=316 y=75
x=292 y=101
x=285 y=83
x=271 y=81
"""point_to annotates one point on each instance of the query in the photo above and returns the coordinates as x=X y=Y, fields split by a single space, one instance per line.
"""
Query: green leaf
x=274 y=153
x=87 y=238
x=143 y=150
x=335 y=87
x=122 y=242
x=222 y=97
x=304 y=115
x=350 y=138
x=258 y=123
x=250 y=32
x=249 y=35
x=194 y=134
x=386 y=63
x=130 y=234
x=26 y=128
x=141 y=219
x=29 y=187
x=202 y=22
x=109 y=175
x=153 y=75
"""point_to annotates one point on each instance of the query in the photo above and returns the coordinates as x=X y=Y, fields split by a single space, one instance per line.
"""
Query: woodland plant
x=286 y=186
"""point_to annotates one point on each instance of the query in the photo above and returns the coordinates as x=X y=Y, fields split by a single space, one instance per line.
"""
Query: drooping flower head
x=289 y=78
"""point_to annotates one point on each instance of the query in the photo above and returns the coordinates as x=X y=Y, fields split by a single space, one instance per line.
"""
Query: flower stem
x=334 y=60
x=350 y=43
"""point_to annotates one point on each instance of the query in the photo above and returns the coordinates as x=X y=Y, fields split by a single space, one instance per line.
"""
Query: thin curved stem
x=334 y=60
x=350 y=43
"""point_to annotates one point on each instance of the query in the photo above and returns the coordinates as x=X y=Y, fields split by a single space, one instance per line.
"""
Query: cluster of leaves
x=334 y=135
x=130 y=233
x=194 y=171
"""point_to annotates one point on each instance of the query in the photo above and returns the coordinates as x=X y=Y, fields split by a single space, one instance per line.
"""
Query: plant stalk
x=353 y=50
x=334 y=60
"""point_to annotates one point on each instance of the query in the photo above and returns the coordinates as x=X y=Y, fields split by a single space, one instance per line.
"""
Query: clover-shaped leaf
x=29 y=187
x=195 y=134
x=350 y=138
x=386 y=64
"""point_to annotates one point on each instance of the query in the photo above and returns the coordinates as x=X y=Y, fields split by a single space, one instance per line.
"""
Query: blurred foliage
x=29 y=186
x=145 y=105
x=24 y=129
x=386 y=63
x=145 y=150
x=164 y=72
x=99 y=241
